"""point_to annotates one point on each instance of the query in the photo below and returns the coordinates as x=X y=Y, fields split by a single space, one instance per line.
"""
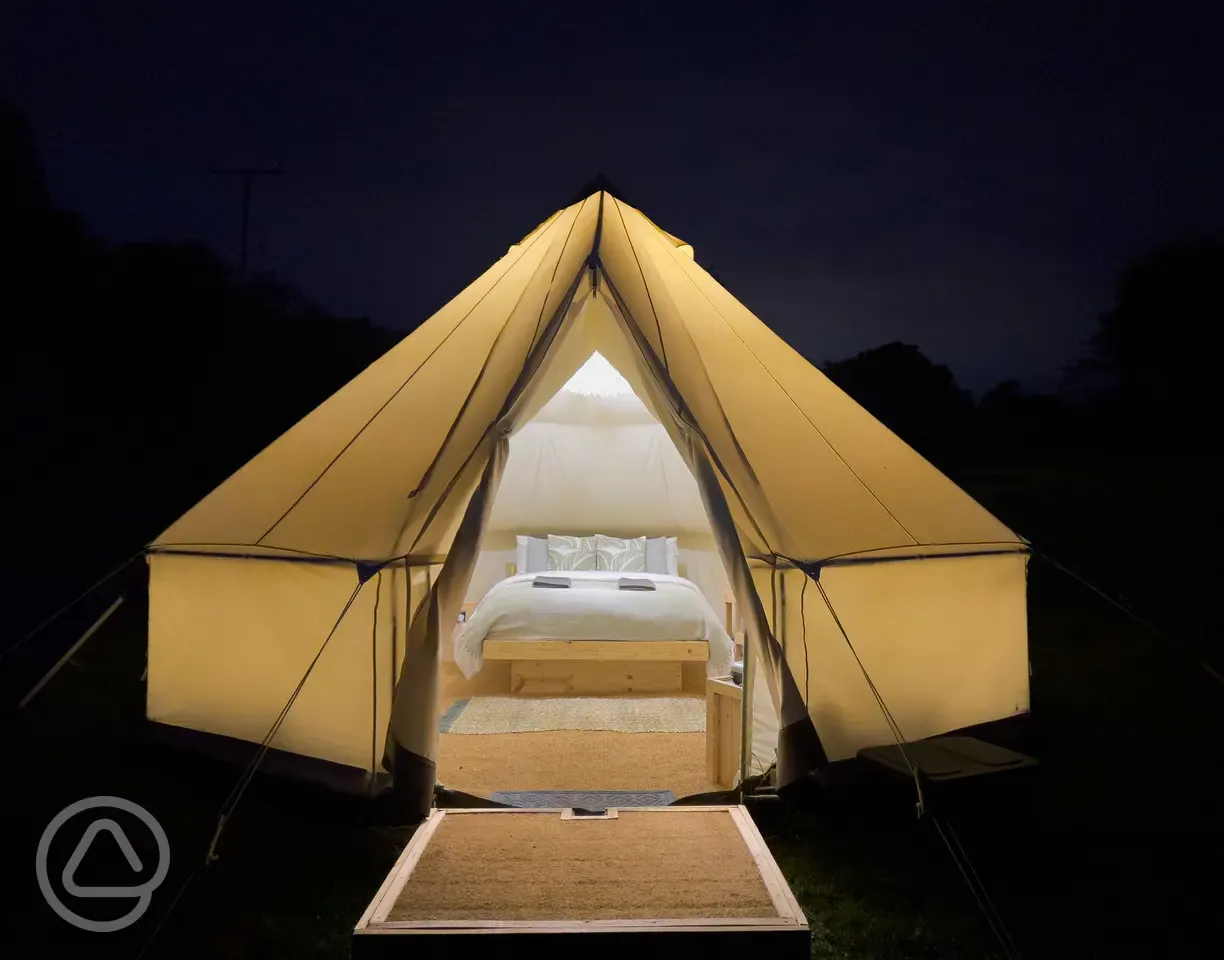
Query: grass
x=1106 y=854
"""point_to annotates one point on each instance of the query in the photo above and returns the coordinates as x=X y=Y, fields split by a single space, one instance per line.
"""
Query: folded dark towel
x=635 y=583
x=553 y=582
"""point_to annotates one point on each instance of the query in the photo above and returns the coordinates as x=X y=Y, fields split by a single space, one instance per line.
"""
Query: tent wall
x=944 y=640
x=230 y=639
x=764 y=721
x=597 y=476
x=404 y=589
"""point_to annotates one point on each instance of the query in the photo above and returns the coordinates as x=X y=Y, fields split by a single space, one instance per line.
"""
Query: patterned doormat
x=539 y=714
x=583 y=799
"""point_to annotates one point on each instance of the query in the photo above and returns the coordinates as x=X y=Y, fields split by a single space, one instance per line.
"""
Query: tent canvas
x=364 y=522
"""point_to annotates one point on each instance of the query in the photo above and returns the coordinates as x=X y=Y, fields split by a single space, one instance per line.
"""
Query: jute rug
x=491 y=715
x=664 y=863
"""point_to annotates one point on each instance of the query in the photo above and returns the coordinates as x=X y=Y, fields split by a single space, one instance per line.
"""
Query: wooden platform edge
x=779 y=890
x=582 y=926
x=711 y=942
x=388 y=893
x=790 y=914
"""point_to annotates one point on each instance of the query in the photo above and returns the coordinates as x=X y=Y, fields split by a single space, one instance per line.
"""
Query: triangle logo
x=82 y=848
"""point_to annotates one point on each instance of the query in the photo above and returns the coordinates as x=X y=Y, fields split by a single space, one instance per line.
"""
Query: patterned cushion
x=571 y=553
x=620 y=555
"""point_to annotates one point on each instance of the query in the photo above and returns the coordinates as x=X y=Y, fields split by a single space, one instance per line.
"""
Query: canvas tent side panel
x=230 y=639
x=944 y=640
x=337 y=483
x=800 y=433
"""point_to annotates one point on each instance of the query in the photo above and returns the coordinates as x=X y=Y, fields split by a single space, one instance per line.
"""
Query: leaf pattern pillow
x=571 y=553
x=621 y=555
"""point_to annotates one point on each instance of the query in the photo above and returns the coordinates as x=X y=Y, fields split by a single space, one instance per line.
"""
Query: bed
x=594 y=636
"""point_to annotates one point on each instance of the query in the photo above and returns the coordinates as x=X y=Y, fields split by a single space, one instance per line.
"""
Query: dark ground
x=1113 y=849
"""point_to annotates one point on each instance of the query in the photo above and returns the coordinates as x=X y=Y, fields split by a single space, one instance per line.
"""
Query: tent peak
x=599 y=184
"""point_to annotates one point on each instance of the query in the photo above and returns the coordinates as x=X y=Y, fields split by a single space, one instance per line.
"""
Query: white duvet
x=593 y=608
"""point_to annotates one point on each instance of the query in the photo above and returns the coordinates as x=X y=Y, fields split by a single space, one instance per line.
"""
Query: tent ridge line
x=557 y=266
x=739 y=448
x=646 y=286
x=681 y=405
x=409 y=560
x=467 y=400
x=398 y=390
x=193 y=546
x=813 y=567
x=539 y=351
x=593 y=260
x=684 y=414
x=427 y=475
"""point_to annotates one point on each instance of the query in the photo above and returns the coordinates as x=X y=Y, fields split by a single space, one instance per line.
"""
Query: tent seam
x=645 y=285
x=374 y=679
x=398 y=391
x=409 y=559
x=786 y=394
x=726 y=422
x=861 y=555
x=739 y=448
x=450 y=433
x=515 y=390
x=557 y=266
x=690 y=421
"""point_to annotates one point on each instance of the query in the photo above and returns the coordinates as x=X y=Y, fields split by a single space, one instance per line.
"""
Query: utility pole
x=248 y=176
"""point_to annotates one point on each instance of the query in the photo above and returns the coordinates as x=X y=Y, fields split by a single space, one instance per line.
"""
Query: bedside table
x=724 y=705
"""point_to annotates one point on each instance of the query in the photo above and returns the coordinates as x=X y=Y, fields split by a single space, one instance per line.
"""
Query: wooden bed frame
x=587 y=667
x=593 y=667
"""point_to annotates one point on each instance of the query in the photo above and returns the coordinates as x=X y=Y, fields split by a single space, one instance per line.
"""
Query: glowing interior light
x=598 y=378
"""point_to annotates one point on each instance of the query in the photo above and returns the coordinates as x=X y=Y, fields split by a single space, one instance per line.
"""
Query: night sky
x=948 y=174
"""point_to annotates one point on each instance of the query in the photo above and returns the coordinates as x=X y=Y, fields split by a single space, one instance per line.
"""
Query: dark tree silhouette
x=136 y=378
x=22 y=181
x=1158 y=341
x=917 y=399
x=1015 y=425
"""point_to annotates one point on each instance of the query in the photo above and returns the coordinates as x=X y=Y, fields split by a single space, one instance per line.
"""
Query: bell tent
x=863 y=577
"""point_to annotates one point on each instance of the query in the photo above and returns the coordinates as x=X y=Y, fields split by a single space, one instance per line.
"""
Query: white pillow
x=621 y=555
x=662 y=556
x=571 y=553
x=531 y=555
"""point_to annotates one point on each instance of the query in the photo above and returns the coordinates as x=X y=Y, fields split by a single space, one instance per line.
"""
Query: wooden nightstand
x=724 y=704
